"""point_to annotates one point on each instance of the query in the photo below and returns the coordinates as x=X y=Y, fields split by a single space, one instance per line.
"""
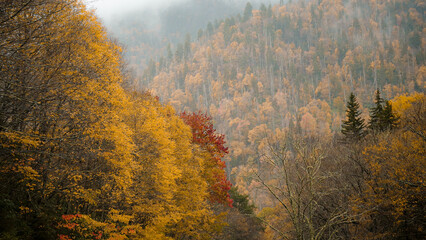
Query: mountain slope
x=294 y=65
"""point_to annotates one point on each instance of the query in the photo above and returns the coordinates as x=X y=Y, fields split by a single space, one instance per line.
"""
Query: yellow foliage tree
x=393 y=200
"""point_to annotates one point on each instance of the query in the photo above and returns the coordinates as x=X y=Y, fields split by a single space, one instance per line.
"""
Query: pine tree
x=389 y=119
x=381 y=117
x=353 y=126
x=376 y=113
x=247 y=12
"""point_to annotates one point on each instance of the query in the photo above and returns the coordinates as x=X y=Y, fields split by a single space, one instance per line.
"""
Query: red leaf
x=204 y=134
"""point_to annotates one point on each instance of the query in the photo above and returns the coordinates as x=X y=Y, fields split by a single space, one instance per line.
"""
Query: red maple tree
x=204 y=135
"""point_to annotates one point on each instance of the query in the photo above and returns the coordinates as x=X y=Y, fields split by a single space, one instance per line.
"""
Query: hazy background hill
x=146 y=29
x=268 y=68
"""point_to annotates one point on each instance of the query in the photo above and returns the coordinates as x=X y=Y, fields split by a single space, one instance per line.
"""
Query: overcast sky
x=108 y=8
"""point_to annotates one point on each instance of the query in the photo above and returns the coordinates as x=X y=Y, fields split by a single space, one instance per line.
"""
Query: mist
x=110 y=9
x=153 y=25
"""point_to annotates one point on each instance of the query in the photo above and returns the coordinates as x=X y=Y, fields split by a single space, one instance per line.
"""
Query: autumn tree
x=392 y=203
x=80 y=156
x=213 y=146
x=65 y=148
x=170 y=194
x=295 y=182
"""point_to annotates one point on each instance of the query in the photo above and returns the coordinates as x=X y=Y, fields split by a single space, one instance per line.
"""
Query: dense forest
x=83 y=155
x=292 y=65
x=300 y=120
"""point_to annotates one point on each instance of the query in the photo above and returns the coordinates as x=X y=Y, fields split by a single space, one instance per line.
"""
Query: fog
x=109 y=9
x=153 y=24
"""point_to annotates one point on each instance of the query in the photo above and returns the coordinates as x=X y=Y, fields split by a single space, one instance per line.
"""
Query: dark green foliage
x=241 y=202
x=381 y=117
x=389 y=119
x=353 y=126
x=263 y=10
x=376 y=113
x=9 y=221
x=247 y=12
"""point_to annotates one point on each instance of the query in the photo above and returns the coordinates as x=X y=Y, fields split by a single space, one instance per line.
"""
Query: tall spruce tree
x=353 y=126
x=247 y=12
x=376 y=114
x=389 y=119
x=381 y=116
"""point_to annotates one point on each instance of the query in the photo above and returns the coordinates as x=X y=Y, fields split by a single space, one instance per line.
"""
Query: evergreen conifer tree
x=353 y=126
x=389 y=119
x=376 y=113
x=381 y=117
x=247 y=12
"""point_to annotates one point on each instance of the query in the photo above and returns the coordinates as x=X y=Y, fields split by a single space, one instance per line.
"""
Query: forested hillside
x=314 y=110
x=150 y=33
x=293 y=65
